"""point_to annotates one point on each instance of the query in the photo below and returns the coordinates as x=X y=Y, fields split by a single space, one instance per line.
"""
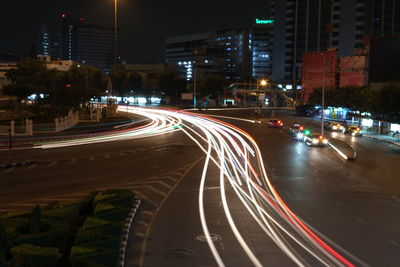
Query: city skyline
x=144 y=25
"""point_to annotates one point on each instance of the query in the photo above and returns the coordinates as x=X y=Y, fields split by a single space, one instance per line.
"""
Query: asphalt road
x=355 y=204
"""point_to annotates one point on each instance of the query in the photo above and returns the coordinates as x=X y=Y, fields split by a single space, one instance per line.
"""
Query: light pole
x=323 y=96
x=115 y=29
x=194 y=86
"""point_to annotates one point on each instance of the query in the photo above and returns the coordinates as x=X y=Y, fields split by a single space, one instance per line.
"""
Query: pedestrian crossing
x=151 y=189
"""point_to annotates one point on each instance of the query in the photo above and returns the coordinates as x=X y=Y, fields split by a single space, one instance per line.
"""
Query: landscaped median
x=79 y=233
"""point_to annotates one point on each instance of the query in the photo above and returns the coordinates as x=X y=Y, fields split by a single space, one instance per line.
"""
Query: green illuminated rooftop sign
x=264 y=21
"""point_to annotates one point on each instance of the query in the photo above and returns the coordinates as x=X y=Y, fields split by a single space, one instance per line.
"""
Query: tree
x=35 y=222
x=118 y=76
x=4 y=243
x=171 y=84
x=30 y=77
x=211 y=85
x=387 y=102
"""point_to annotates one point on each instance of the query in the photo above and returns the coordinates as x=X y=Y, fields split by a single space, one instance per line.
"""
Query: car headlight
x=300 y=135
x=315 y=141
x=334 y=127
x=325 y=141
x=353 y=133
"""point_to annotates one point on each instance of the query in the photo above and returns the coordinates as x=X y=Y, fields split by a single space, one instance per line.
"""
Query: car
x=296 y=127
x=275 y=123
x=297 y=131
x=353 y=131
x=315 y=140
x=334 y=126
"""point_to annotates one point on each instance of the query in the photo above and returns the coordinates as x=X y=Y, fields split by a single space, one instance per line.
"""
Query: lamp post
x=115 y=29
x=323 y=96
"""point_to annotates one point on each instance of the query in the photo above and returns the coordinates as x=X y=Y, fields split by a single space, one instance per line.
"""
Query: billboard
x=318 y=70
x=353 y=71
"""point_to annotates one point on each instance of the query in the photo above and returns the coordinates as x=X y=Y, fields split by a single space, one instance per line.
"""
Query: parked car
x=275 y=123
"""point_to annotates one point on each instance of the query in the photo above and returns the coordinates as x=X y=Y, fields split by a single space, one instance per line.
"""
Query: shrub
x=87 y=236
x=16 y=214
x=53 y=235
x=118 y=215
x=92 y=222
x=103 y=207
x=67 y=212
x=35 y=222
x=34 y=256
x=4 y=243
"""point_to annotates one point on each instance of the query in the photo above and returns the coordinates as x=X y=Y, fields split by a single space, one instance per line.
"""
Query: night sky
x=144 y=24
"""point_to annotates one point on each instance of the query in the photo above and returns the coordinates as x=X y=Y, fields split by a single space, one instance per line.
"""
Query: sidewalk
x=82 y=130
x=379 y=137
x=383 y=138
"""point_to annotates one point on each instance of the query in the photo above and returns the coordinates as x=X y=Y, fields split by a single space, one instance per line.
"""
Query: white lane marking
x=32 y=166
x=53 y=163
x=10 y=169
x=394 y=243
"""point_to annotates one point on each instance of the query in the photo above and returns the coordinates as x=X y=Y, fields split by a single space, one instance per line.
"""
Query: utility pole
x=194 y=85
x=323 y=96
x=9 y=145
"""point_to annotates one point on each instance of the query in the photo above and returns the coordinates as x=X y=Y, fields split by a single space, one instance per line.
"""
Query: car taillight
x=279 y=122
x=301 y=128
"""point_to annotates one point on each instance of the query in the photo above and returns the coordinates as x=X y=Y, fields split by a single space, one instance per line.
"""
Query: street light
x=263 y=82
x=323 y=96
x=115 y=29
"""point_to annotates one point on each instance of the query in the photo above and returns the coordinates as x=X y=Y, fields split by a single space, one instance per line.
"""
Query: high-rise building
x=88 y=44
x=94 y=45
x=50 y=43
x=300 y=26
x=77 y=41
x=232 y=53
x=303 y=26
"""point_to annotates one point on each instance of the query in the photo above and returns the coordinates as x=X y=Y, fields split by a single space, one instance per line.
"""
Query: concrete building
x=73 y=39
x=303 y=26
x=235 y=54
x=50 y=43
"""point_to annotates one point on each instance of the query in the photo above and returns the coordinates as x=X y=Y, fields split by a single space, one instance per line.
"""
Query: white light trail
x=238 y=158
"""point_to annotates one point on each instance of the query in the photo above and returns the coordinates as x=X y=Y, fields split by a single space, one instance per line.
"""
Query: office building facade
x=232 y=53
x=50 y=43
x=303 y=26
x=78 y=41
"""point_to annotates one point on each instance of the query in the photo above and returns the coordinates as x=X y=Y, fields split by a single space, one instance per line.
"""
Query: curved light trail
x=238 y=158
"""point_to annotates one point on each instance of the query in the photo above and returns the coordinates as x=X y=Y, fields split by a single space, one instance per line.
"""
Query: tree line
x=383 y=103
x=63 y=90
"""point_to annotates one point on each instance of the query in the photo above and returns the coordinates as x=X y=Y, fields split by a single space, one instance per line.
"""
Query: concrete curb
x=381 y=139
x=15 y=164
x=126 y=230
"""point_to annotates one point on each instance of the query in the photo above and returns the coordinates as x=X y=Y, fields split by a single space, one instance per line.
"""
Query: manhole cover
x=214 y=238
x=179 y=253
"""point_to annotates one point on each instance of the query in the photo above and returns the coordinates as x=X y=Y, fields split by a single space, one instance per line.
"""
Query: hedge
x=53 y=236
x=35 y=256
x=67 y=213
x=93 y=257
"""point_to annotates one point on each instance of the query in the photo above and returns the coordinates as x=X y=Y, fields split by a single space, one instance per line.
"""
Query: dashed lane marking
x=53 y=163
x=10 y=169
x=150 y=182
x=32 y=166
